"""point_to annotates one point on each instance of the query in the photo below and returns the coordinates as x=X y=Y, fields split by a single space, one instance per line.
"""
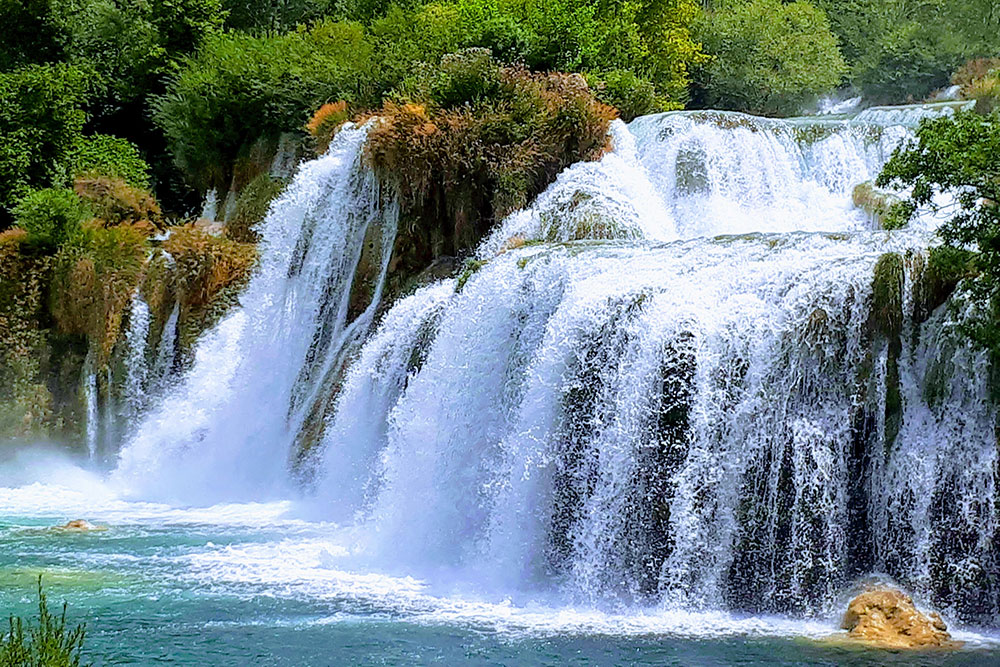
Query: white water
x=226 y=431
x=136 y=368
x=660 y=404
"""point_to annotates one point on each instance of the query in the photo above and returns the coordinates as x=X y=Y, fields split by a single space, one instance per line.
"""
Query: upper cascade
x=688 y=174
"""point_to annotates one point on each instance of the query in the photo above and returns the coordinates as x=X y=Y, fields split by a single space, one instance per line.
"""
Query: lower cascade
x=691 y=375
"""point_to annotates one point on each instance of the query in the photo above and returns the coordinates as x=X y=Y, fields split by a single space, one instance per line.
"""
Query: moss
x=884 y=208
x=205 y=278
x=206 y=264
x=94 y=278
x=944 y=268
x=251 y=208
x=887 y=295
x=472 y=266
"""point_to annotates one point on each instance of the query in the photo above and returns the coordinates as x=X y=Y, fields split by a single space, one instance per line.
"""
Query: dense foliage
x=770 y=57
x=901 y=50
x=469 y=141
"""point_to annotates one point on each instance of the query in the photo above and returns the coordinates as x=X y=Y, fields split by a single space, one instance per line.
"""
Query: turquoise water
x=255 y=584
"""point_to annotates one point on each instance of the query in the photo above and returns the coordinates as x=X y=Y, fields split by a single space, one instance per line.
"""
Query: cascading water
x=227 y=430
x=670 y=383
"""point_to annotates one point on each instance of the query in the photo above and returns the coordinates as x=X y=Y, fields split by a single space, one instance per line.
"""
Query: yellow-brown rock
x=887 y=617
x=82 y=526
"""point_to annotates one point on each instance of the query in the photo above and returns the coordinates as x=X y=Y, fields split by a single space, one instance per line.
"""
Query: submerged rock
x=887 y=617
x=81 y=525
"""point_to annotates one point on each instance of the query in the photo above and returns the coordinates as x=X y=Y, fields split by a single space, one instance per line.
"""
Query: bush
x=113 y=201
x=206 y=265
x=51 y=644
x=471 y=141
x=969 y=74
x=238 y=88
x=105 y=155
x=768 y=57
x=41 y=120
x=325 y=123
x=95 y=275
x=51 y=216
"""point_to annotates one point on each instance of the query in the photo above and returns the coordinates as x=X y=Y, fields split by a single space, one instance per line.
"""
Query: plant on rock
x=470 y=141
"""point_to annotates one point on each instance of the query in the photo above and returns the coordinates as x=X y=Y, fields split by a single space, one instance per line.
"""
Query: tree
x=958 y=155
x=41 y=121
x=768 y=57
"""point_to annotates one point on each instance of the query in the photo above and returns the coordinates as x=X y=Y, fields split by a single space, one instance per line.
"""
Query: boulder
x=887 y=617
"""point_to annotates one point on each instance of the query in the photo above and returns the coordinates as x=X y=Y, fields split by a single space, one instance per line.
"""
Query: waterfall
x=226 y=431
x=668 y=382
x=136 y=369
x=90 y=401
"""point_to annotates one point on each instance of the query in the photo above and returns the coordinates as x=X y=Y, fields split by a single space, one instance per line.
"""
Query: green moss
x=887 y=295
x=94 y=278
x=943 y=269
x=472 y=266
x=251 y=208
x=885 y=208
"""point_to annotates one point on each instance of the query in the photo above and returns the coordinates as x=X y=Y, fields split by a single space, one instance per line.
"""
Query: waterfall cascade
x=670 y=382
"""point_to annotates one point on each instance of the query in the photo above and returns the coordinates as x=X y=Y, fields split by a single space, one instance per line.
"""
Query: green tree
x=768 y=57
x=41 y=120
x=240 y=87
x=31 y=36
x=958 y=155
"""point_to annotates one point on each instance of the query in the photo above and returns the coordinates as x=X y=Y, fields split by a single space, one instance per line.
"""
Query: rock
x=887 y=617
x=81 y=526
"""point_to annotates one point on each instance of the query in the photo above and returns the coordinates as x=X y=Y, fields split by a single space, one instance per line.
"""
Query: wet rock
x=887 y=617
x=81 y=525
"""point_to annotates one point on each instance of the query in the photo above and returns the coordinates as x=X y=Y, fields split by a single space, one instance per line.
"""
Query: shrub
x=768 y=57
x=105 y=155
x=986 y=93
x=207 y=264
x=325 y=123
x=50 y=644
x=969 y=74
x=472 y=141
x=113 y=201
x=41 y=119
x=95 y=275
x=239 y=87
x=51 y=216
